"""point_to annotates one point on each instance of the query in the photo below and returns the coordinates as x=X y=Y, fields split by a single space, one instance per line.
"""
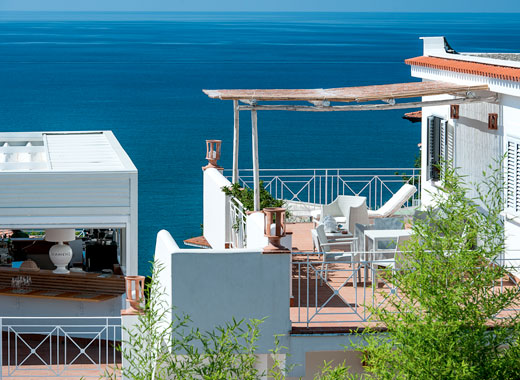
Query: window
x=441 y=146
x=513 y=176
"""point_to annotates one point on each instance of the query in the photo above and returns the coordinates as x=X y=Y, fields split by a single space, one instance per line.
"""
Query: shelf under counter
x=74 y=286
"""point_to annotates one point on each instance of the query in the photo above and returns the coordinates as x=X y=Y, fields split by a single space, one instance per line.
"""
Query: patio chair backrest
x=322 y=238
x=355 y=215
x=341 y=205
x=315 y=241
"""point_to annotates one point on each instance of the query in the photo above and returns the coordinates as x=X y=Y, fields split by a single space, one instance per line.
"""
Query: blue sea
x=141 y=75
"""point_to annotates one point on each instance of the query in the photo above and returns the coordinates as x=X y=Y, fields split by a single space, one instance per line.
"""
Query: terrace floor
x=301 y=236
x=334 y=302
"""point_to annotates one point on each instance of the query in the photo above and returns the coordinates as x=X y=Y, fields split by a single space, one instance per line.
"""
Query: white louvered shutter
x=431 y=144
x=442 y=132
x=450 y=144
x=513 y=177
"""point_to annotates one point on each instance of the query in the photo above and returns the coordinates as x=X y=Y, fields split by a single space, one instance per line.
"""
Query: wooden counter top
x=84 y=286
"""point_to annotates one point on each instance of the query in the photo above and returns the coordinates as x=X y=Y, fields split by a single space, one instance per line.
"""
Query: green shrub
x=443 y=322
x=247 y=196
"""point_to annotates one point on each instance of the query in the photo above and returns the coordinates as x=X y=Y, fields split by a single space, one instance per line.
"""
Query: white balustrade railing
x=322 y=186
x=237 y=217
x=336 y=293
x=72 y=347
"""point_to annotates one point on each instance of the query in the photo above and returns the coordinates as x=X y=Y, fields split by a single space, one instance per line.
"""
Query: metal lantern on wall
x=213 y=153
x=274 y=229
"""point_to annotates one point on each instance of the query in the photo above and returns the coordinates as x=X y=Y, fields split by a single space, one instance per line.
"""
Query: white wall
x=427 y=186
x=511 y=124
x=214 y=285
x=216 y=209
x=475 y=145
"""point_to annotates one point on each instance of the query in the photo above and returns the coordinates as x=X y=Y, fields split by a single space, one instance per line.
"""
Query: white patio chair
x=347 y=210
x=395 y=203
x=325 y=247
x=392 y=261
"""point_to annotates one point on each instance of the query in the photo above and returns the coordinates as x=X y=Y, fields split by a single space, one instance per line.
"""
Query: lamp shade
x=60 y=234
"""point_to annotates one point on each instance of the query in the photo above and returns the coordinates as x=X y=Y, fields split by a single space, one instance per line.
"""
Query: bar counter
x=83 y=286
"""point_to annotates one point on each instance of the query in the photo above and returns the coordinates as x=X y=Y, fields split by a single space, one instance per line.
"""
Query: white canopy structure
x=69 y=180
x=326 y=100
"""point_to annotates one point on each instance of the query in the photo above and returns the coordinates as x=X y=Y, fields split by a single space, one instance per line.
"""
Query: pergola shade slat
x=347 y=94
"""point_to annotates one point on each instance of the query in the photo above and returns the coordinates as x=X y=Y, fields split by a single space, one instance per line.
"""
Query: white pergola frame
x=248 y=100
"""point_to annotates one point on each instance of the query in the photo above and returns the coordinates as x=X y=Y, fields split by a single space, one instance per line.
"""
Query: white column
x=236 y=133
x=256 y=168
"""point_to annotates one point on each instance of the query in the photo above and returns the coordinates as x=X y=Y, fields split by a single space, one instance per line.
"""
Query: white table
x=377 y=235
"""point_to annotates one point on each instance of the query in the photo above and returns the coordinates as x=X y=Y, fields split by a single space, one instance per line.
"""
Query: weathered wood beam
x=236 y=139
x=256 y=166
x=366 y=107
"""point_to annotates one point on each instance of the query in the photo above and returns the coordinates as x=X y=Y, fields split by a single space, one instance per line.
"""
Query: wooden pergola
x=367 y=98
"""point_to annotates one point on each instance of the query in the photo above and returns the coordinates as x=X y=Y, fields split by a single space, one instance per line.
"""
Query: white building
x=71 y=181
x=478 y=134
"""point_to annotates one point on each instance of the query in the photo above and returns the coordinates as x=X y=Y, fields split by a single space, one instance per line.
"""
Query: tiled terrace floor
x=335 y=304
x=301 y=236
x=314 y=298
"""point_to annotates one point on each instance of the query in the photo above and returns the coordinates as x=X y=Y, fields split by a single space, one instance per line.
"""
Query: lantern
x=274 y=229
x=134 y=294
x=454 y=111
x=213 y=153
x=493 y=121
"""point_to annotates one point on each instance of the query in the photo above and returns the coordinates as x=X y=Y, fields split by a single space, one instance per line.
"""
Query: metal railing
x=336 y=293
x=48 y=347
x=322 y=186
x=237 y=228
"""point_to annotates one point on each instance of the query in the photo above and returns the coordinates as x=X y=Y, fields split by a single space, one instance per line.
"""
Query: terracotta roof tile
x=414 y=116
x=492 y=71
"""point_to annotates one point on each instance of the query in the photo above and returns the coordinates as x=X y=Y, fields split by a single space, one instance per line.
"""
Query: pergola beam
x=256 y=166
x=236 y=139
x=366 y=107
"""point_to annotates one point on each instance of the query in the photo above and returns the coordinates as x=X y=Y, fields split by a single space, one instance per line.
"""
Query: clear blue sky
x=264 y=5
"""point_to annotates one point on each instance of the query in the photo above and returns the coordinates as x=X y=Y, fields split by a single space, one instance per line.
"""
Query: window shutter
x=436 y=173
x=442 y=145
x=450 y=144
x=513 y=177
x=437 y=146
x=431 y=143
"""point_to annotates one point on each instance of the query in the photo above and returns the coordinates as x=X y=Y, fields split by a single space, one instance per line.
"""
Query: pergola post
x=236 y=116
x=256 y=167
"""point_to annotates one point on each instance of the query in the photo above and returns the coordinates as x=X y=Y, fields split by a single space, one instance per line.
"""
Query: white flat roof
x=85 y=151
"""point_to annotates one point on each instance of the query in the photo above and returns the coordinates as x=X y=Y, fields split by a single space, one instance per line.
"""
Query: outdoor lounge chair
x=395 y=203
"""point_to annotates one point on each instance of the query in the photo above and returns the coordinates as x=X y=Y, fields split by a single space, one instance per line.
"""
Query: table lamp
x=60 y=254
